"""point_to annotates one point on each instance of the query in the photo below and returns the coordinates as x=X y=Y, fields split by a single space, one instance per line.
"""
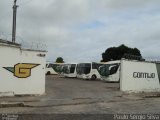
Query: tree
x=116 y=53
x=59 y=60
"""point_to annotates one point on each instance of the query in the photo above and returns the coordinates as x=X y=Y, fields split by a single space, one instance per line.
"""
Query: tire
x=48 y=73
x=93 y=77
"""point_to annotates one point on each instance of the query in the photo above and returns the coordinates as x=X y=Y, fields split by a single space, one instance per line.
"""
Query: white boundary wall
x=138 y=76
x=10 y=84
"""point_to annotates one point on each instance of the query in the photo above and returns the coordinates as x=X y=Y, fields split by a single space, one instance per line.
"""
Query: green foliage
x=116 y=53
x=59 y=60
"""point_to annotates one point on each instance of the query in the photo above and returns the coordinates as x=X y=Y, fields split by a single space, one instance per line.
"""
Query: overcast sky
x=81 y=30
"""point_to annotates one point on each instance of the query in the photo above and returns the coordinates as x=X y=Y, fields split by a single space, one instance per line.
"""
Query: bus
x=110 y=71
x=88 y=70
x=53 y=68
x=69 y=70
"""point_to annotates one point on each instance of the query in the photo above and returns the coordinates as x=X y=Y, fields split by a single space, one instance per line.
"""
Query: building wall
x=21 y=71
x=158 y=70
x=139 y=76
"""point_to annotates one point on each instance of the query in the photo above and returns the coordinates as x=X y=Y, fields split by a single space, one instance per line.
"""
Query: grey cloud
x=54 y=22
x=56 y=12
x=125 y=4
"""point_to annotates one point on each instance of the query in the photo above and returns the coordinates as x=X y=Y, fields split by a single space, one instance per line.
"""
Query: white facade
x=22 y=72
x=139 y=76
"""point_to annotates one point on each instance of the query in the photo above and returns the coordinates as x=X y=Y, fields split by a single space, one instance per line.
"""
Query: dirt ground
x=77 y=96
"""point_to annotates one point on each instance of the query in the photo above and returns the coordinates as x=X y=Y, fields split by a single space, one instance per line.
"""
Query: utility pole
x=14 y=21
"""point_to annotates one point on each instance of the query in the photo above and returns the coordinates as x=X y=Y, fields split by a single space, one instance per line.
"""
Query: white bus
x=88 y=70
x=110 y=71
x=69 y=70
x=53 y=68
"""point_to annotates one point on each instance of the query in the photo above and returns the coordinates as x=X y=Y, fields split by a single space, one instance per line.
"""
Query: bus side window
x=72 y=68
x=113 y=69
x=94 y=65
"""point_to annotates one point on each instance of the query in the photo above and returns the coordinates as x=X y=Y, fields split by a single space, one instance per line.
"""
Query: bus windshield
x=66 y=69
x=108 y=69
x=104 y=70
x=69 y=68
x=84 y=68
x=72 y=68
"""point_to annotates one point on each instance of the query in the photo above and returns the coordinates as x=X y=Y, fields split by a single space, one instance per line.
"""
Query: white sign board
x=138 y=76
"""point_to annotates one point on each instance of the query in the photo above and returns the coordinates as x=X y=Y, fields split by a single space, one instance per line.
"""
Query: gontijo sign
x=143 y=75
x=22 y=70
